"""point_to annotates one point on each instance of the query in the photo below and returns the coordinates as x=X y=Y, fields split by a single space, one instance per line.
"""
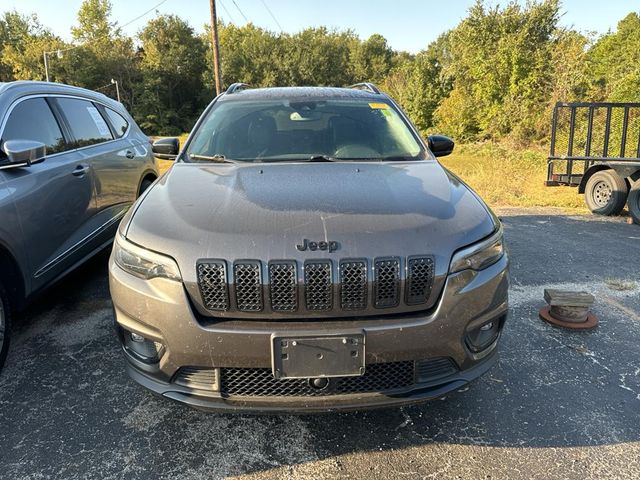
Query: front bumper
x=160 y=311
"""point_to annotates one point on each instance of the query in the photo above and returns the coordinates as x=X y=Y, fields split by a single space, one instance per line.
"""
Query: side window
x=86 y=123
x=118 y=122
x=32 y=119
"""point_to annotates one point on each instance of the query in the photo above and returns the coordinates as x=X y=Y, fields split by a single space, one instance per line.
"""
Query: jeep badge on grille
x=322 y=245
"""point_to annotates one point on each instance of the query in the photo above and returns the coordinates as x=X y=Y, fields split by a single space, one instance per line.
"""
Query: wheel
x=5 y=324
x=146 y=183
x=634 y=202
x=606 y=193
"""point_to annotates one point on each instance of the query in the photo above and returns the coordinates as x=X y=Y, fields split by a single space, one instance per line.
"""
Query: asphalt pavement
x=559 y=404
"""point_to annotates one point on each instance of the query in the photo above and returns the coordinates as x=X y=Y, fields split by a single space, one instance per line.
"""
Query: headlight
x=143 y=263
x=480 y=255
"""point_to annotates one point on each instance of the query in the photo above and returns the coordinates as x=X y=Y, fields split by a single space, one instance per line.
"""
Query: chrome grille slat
x=212 y=281
x=247 y=279
x=387 y=282
x=283 y=286
x=419 y=279
x=318 y=285
x=353 y=284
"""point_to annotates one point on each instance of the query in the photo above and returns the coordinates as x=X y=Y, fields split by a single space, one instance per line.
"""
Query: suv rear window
x=86 y=122
x=32 y=119
x=274 y=130
x=118 y=122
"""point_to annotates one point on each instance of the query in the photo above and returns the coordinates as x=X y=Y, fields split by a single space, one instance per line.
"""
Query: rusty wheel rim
x=591 y=322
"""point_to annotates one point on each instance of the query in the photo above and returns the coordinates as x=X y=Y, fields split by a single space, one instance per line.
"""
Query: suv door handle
x=80 y=170
x=129 y=154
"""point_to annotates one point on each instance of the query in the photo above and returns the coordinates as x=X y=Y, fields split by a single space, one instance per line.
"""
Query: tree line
x=496 y=75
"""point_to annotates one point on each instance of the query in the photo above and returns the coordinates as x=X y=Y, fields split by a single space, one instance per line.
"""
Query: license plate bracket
x=318 y=356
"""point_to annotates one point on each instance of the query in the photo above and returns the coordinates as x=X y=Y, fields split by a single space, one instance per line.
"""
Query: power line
x=227 y=12
x=272 y=15
x=243 y=15
x=143 y=14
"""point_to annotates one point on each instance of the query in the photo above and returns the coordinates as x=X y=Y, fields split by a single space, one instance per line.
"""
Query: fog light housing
x=141 y=348
x=482 y=337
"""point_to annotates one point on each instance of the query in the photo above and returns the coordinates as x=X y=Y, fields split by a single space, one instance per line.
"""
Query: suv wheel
x=4 y=326
x=146 y=183
x=606 y=193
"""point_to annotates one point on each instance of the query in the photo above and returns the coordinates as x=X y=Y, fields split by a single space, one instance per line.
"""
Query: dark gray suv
x=307 y=252
x=72 y=161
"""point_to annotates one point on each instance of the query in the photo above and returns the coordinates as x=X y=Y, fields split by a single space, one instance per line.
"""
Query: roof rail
x=370 y=87
x=234 y=87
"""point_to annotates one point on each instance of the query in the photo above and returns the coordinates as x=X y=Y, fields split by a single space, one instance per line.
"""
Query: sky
x=408 y=25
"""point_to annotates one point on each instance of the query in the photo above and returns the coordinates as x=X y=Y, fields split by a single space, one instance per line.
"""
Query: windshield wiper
x=211 y=158
x=322 y=158
x=312 y=158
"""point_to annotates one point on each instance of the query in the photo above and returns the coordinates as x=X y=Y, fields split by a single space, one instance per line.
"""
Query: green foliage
x=500 y=67
x=23 y=40
x=615 y=62
x=495 y=76
x=171 y=65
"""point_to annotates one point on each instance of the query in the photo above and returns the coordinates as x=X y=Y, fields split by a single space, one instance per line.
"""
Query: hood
x=262 y=211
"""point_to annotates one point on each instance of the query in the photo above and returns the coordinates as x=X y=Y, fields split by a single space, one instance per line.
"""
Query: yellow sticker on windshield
x=378 y=105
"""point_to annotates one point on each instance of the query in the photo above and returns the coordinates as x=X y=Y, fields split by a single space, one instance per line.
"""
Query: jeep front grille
x=419 y=279
x=247 y=278
x=260 y=382
x=353 y=284
x=387 y=282
x=283 y=286
x=212 y=279
x=319 y=285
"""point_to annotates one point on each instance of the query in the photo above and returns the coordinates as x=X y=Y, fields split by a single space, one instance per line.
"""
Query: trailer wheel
x=634 y=202
x=606 y=193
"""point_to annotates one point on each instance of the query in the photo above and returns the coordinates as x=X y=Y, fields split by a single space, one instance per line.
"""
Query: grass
x=508 y=178
x=503 y=177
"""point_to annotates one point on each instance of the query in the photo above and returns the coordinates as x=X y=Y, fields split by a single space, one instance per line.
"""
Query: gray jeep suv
x=307 y=252
x=72 y=161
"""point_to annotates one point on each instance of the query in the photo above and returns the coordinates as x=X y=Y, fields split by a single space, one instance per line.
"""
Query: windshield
x=283 y=130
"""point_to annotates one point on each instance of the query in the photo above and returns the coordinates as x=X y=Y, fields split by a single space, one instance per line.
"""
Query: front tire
x=146 y=183
x=634 y=202
x=5 y=326
x=606 y=193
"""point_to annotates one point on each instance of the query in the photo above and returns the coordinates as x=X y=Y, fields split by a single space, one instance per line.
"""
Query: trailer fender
x=589 y=173
x=630 y=173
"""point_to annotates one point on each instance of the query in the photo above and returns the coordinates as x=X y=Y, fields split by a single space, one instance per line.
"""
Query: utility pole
x=214 y=44
x=46 y=66
x=117 y=89
x=46 y=61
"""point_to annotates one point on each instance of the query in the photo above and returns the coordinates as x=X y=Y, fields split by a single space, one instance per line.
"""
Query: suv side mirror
x=440 y=145
x=22 y=153
x=166 y=148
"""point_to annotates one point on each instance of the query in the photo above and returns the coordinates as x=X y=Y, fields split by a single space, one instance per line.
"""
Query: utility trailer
x=596 y=147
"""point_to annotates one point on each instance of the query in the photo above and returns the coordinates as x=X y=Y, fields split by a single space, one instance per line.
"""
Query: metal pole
x=117 y=91
x=214 y=44
x=46 y=65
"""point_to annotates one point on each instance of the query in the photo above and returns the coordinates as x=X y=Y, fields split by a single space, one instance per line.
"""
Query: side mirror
x=22 y=153
x=166 y=148
x=440 y=145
